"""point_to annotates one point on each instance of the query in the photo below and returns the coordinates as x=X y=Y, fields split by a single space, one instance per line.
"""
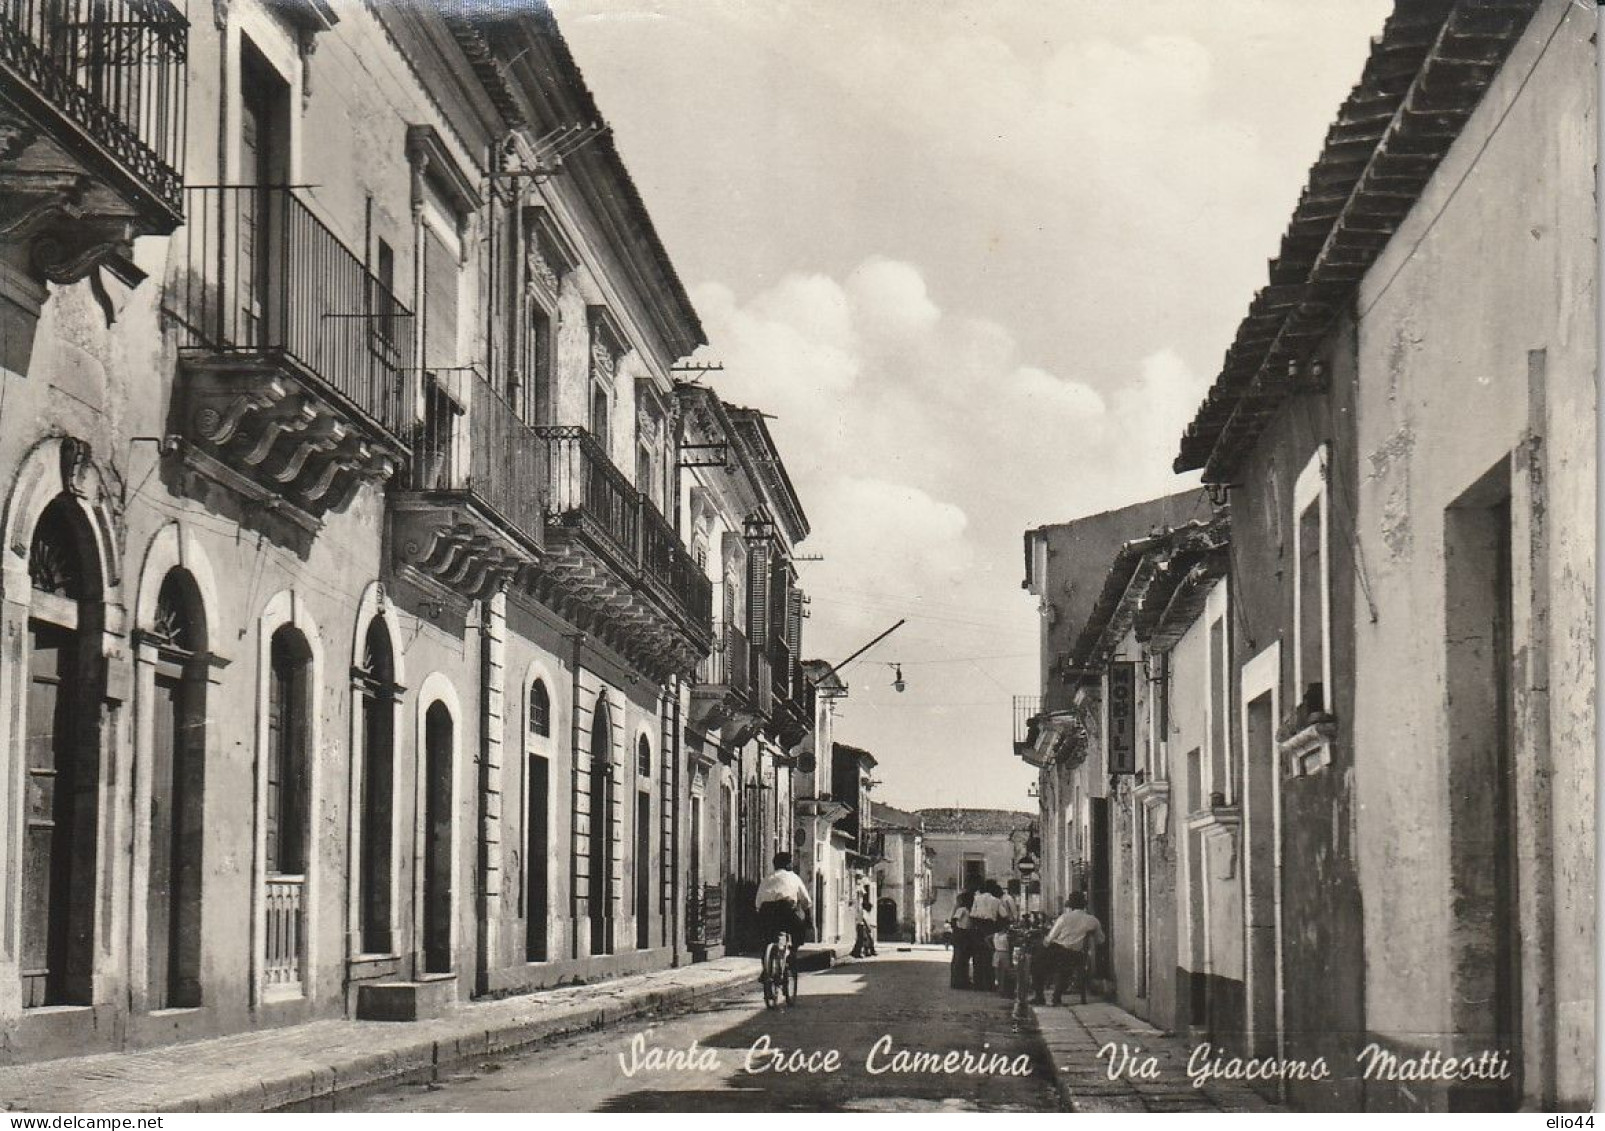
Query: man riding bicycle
x=783 y=903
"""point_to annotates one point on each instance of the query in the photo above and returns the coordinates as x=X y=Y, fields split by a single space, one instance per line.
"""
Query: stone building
x=350 y=615
x=750 y=709
x=902 y=876
x=968 y=846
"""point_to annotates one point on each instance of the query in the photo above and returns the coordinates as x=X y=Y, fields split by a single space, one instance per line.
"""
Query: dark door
x=173 y=891
x=377 y=820
x=437 y=840
x=535 y=864
x=48 y=919
x=643 y=869
x=599 y=888
x=886 y=919
x=1099 y=894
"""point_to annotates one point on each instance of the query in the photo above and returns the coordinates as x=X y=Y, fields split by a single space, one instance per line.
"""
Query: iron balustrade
x=260 y=274
x=116 y=68
x=471 y=442
x=1026 y=708
x=586 y=490
x=730 y=662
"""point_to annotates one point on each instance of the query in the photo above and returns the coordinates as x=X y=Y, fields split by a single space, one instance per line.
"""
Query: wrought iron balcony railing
x=588 y=492
x=730 y=662
x=262 y=278
x=115 y=69
x=472 y=443
x=1026 y=708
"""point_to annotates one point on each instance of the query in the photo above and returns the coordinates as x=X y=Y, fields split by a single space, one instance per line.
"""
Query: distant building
x=971 y=845
x=902 y=876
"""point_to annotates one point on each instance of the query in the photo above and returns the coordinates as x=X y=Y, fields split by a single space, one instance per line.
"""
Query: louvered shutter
x=758 y=595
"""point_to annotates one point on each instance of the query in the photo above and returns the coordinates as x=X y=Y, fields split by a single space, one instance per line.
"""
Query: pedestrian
x=959 y=924
x=1068 y=950
x=983 y=925
x=1002 y=963
x=864 y=943
x=1011 y=902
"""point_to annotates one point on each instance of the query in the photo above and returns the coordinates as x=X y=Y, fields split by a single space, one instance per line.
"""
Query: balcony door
x=264 y=125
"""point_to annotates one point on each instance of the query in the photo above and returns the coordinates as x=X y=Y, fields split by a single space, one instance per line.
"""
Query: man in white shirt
x=1068 y=948
x=984 y=924
x=783 y=903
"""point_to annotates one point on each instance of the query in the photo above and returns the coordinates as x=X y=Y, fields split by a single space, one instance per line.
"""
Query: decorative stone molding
x=1154 y=796
x=1309 y=748
x=274 y=432
x=1221 y=827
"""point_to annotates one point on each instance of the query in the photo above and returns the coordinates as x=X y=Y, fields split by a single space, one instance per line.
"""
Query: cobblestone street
x=901 y=995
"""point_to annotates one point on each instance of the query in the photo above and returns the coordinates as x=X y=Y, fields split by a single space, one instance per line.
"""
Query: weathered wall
x=1323 y=964
x=1495 y=261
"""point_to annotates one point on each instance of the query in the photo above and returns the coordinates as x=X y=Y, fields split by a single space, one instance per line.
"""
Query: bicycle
x=779 y=972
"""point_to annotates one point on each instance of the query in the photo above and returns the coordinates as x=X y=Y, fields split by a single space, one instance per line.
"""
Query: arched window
x=643 y=757
x=62 y=761
x=439 y=763
x=599 y=841
x=177 y=795
x=286 y=805
x=540 y=710
x=377 y=680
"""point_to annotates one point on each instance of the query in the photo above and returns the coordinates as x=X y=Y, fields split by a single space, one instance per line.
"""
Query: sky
x=980 y=262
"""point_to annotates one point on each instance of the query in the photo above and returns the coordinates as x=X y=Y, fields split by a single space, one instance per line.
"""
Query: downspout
x=677 y=897
x=574 y=793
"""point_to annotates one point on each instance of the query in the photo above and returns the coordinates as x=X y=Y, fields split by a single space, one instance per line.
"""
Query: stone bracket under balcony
x=62 y=218
x=256 y=426
x=719 y=706
x=451 y=545
x=618 y=611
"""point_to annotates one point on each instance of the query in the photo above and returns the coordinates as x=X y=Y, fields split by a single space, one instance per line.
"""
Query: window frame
x=1313 y=485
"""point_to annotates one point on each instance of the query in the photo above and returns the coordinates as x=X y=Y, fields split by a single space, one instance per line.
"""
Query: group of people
x=981 y=920
x=983 y=950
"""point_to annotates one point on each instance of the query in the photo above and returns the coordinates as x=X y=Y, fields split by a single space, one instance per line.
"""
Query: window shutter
x=440 y=303
x=794 y=604
x=780 y=598
x=758 y=595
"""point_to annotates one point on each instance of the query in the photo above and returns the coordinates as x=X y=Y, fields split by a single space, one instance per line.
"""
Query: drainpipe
x=574 y=792
x=676 y=896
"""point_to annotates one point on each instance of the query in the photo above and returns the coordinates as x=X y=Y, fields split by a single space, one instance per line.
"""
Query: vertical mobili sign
x=1122 y=730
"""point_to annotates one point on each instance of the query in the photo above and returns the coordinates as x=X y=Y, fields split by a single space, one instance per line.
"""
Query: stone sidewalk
x=1073 y=1034
x=301 y=1064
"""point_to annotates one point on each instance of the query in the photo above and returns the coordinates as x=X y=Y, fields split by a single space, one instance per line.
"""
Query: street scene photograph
x=745 y=556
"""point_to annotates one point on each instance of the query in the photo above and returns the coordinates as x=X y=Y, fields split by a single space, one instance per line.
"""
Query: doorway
x=438 y=759
x=599 y=888
x=536 y=850
x=643 y=869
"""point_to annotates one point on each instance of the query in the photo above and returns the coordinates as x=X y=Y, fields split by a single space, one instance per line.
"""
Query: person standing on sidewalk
x=959 y=974
x=1068 y=949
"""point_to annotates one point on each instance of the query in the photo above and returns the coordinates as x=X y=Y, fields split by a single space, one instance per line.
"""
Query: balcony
x=614 y=554
x=470 y=512
x=1026 y=710
x=725 y=693
x=791 y=717
x=91 y=131
x=297 y=362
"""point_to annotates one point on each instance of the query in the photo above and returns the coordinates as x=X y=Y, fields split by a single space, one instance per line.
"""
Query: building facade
x=354 y=602
x=902 y=876
x=968 y=847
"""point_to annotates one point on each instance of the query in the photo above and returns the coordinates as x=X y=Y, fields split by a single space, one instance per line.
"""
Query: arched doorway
x=537 y=847
x=438 y=759
x=375 y=851
x=599 y=889
x=62 y=760
x=886 y=918
x=643 y=843
x=177 y=796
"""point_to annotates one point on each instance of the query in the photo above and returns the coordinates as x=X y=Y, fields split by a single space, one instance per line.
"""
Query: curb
x=318 y=1085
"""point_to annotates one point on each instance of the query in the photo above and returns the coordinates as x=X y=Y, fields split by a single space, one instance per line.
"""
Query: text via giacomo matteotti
x=887 y=1056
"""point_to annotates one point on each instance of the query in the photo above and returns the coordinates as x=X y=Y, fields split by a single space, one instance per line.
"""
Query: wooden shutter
x=440 y=303
x=758 y=595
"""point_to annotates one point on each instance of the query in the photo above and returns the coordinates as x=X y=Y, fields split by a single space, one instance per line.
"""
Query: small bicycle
x=779 y=972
